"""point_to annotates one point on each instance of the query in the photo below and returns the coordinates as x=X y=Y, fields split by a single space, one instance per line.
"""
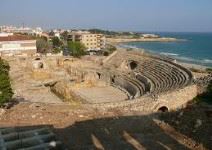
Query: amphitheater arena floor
x=101 y=94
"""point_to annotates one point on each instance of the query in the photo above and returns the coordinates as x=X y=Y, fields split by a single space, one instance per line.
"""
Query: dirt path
x=82 y=127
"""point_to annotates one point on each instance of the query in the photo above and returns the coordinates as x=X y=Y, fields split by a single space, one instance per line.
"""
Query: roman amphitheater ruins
x=125 y=78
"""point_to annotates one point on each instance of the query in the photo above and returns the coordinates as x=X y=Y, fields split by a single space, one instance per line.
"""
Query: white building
x=17 y=44
x=24 y=30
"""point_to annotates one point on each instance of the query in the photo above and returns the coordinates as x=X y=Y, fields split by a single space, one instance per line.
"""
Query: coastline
x=194 y=66
x=182 y=63
x=126 y=40
x=121 y=42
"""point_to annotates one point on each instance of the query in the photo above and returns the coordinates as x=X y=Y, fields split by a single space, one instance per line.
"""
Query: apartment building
x=93 y=42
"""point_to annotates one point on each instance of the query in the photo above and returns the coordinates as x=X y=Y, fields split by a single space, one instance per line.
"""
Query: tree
x=77 y=49
x=110 y=48
x=64 y=35
x=51 y=33
x=56 y=50
x=6 y=92
x=42 y=45
x=56 y=42
x=136 y=36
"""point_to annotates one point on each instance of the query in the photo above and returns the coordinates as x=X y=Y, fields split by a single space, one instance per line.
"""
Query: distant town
x=29 y=41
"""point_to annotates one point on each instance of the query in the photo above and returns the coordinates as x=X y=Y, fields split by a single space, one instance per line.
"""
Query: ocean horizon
x=195 y=48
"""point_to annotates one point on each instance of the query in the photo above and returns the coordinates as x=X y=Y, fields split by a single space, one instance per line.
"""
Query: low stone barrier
x=28 y=139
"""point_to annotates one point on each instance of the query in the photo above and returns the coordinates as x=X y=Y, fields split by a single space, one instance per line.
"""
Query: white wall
x=16 y=45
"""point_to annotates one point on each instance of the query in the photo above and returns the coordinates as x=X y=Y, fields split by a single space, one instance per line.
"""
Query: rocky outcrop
x=63 y=89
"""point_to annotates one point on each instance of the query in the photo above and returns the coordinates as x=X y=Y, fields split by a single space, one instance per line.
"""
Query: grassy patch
x=6 y=92
x=209 y=70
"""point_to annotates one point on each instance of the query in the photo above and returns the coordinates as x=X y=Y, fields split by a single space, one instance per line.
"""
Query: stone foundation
x=173 y=100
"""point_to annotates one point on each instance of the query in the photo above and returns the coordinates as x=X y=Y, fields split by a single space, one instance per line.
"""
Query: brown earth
x=83 y=127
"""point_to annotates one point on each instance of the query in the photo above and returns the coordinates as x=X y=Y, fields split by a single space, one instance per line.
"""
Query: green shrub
x=42 y=45
x=77 y=49
x=105 y=53
x=6 y=92
x=206 y=96
x=56 y=42
x=110 y=48
x=196 y=70
x=209 y=69
x=56 y=50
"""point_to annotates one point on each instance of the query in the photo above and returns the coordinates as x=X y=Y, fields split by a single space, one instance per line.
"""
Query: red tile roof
x=15 y=38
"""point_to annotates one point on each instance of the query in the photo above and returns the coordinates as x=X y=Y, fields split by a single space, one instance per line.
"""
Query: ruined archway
x=99 y=75
x=163 y=109
x=113 y=80
x=133 y=65
x=37 y=58
x=41 y=66
x=67 y=59
x=38 y=65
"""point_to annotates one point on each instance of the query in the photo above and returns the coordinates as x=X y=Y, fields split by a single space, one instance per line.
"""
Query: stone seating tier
x=152 y=74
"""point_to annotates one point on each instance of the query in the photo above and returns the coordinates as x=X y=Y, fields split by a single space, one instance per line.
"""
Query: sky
x=120 y=15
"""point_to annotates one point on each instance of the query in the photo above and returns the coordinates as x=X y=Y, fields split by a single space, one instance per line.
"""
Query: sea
x=195 y=48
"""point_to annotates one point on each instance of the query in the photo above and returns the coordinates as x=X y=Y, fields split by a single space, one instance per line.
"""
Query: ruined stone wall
x=63 y=89
x=176 y=99
x=173 y=100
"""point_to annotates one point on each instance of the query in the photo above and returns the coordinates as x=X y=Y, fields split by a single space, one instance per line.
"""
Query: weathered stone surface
x=64 y=90
x=145 y=79
x=38 y=65
x=41 y=74
x=2 y=111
